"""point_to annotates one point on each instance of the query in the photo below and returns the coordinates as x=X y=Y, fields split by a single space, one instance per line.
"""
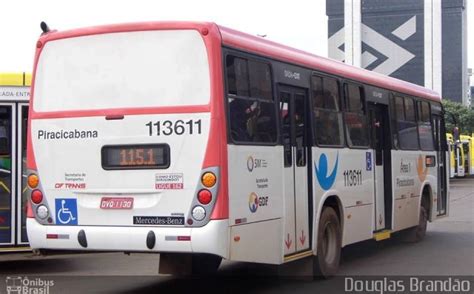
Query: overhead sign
x=14 y=93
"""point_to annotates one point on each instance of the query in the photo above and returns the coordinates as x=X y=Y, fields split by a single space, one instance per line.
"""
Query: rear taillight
x=36 y=196
x=37 y=207
x=205 y=196
x=208 y=179
x=199 y=213
x=42 y=212
x=33 y=181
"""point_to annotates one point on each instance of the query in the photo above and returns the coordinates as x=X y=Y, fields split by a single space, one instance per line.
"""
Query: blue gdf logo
x=66 y=211
x=325 y=181
x=253 y=202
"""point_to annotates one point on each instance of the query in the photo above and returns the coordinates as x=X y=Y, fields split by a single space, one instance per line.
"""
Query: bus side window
x=399 y=108
x=260 y=79
x=237 y=76
x=326 y=110
x=238 y=118
x=252 y=113
x=406 y=123
x=354 y=116
x=425 y=128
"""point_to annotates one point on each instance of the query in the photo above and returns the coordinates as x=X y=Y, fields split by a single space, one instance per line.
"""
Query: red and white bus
x=200 y=142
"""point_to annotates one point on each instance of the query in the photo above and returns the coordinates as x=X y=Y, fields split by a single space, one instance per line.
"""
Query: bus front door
x=294 y=120
x=381 y=145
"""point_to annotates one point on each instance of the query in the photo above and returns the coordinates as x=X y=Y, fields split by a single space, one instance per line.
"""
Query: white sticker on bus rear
x=72 y=180
x=169 y=181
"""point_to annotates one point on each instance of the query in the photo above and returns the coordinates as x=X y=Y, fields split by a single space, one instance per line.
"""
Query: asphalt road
x=448 y=249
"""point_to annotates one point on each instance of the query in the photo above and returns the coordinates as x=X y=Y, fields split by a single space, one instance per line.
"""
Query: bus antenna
x=44 y=27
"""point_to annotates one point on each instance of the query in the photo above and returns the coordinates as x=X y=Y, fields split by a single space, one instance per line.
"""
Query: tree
x=456 y=114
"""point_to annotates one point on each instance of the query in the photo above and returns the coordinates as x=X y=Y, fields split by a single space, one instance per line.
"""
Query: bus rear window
x=123 y=70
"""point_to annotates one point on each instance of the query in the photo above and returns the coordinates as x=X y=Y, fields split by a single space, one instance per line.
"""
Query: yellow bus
x=14 y=97
x=461 y=155
x=467 y=145
x=451 y=148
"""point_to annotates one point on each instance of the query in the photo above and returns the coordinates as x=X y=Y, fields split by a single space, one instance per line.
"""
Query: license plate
x=116 y=203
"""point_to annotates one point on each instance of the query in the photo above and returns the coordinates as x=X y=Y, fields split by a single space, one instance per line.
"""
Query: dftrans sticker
x=66 y=212
x=169 y=181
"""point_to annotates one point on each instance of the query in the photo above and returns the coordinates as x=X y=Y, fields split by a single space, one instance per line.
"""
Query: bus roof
x=239 y=40
x=243 y=41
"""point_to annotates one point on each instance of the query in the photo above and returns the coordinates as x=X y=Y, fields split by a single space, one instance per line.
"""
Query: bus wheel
x=417 y=233
x=205 y=264
x=329 y=244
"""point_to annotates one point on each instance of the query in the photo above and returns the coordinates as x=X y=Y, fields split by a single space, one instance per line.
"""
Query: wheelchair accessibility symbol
x=66 y=212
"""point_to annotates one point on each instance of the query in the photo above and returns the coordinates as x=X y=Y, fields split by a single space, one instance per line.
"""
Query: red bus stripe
x=121 y=112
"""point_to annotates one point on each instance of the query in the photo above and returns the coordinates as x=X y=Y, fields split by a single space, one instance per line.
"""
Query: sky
x=298 y=23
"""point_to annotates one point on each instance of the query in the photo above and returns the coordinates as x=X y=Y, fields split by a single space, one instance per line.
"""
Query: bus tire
x=205 y=264
x=329 y=244
x=417 y=233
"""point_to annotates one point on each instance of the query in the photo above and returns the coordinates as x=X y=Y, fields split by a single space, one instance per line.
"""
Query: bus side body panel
x=257 y=242
x=410 y=175
x=346 y=174
x=256 y=203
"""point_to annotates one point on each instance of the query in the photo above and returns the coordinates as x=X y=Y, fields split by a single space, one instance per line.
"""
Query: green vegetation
x=462 y=116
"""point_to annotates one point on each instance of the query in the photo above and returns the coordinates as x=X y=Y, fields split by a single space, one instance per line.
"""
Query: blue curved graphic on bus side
x=325 y=181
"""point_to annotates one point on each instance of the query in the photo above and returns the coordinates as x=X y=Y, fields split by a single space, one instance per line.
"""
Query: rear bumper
x=211 y=238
